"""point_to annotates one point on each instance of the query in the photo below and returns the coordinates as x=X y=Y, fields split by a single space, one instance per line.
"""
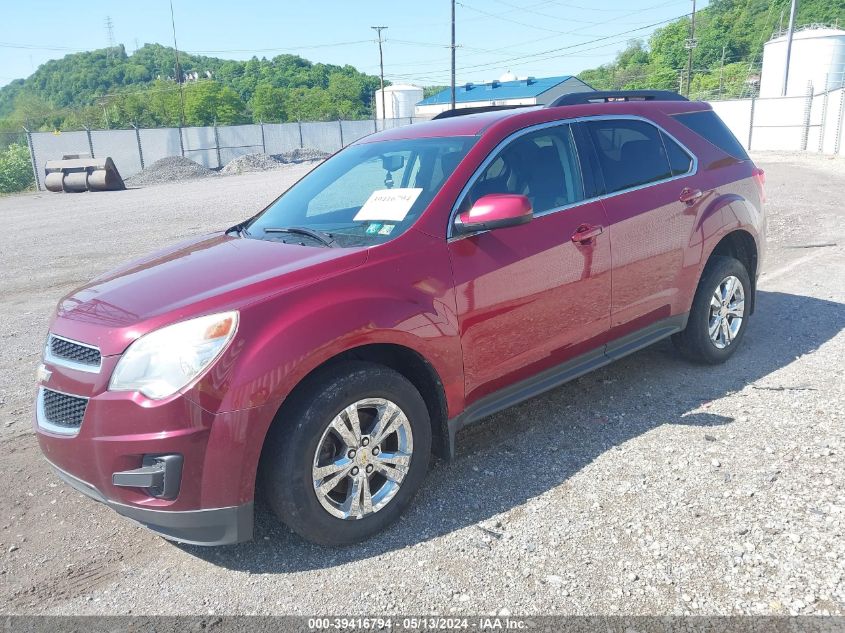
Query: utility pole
x=691 y=44
x=178 y=71
x=721 y=70
x=793 y=9
x=453 y=54
x=379 y=29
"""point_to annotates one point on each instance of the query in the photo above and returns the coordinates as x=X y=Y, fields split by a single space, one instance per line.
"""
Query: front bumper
x=206 y=499
x=215 y=526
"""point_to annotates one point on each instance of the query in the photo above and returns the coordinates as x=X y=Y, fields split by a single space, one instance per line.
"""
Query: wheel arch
x=405 y=361
x=741 y=245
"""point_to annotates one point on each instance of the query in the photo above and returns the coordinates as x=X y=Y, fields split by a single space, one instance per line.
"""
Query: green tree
x=15 y=169
x=730 y=30
x=209 y=101
x=268 y=103
x=141 y=89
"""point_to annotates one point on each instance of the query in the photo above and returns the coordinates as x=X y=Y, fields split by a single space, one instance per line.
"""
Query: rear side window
x=631 y=153
x=679 y=160
x=708 y=125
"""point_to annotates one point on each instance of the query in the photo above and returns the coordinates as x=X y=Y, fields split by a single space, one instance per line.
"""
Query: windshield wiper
x=326 y=239
x=238 y=229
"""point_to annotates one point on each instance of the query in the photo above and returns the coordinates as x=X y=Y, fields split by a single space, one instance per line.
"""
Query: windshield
x=365 y=195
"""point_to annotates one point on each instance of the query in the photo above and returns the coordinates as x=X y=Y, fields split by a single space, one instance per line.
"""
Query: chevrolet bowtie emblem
x=42 y=374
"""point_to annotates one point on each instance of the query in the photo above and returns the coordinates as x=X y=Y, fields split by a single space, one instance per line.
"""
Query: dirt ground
x=649 y=487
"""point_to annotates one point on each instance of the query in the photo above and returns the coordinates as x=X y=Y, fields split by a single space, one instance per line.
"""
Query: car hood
x=211 y=273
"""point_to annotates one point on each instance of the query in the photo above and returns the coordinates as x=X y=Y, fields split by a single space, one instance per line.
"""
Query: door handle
x=585 y=233
x=689 y=196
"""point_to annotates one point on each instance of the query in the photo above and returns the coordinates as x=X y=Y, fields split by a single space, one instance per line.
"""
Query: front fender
x=402 y=296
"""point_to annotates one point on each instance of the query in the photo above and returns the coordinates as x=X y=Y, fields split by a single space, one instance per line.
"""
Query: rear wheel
x=350 y=454
x=719 y=313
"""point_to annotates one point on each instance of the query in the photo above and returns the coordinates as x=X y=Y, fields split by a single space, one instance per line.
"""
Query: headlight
x=162 y=362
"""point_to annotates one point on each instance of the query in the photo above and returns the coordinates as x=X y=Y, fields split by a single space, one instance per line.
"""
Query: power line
x=540 y=55
x=570 y=19
x=273 y=50
x=38 y=47
x=531 y=58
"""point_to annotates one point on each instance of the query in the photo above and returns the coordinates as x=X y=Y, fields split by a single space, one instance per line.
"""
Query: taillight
x=760 y=179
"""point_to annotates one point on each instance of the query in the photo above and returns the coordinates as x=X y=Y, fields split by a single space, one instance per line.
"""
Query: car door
x=531 y=297
x=646 y=173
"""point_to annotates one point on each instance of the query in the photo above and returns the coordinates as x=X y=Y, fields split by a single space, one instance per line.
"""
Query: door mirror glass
x=495 y=211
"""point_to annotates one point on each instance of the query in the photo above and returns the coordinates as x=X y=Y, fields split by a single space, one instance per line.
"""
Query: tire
x=290 y=456
x=695 y=341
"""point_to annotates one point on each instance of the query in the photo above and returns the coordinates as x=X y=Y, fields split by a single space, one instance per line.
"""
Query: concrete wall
x=213 y=147
x=811 y=123
x=814 y=123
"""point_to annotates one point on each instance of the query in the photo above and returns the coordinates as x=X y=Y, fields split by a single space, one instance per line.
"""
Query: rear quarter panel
x=731 y=202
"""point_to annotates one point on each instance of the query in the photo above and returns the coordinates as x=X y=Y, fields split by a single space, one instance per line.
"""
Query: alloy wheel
x=727 y=310
x=362 y=458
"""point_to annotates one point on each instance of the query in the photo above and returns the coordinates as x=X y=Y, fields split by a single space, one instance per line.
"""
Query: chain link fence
x=212 y=146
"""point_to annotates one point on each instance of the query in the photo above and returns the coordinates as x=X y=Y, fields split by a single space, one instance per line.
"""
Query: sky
x=537 y=38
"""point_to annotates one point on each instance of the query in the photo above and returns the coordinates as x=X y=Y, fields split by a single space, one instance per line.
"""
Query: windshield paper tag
x=388 y=204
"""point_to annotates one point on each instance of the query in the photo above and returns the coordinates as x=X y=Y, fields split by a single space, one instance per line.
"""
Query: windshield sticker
x=388 y=204
x=374 y=228
x=387 y=229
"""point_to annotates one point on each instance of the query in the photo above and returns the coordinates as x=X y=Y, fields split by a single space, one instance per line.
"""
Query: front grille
x=64 y=349
x=62 y=410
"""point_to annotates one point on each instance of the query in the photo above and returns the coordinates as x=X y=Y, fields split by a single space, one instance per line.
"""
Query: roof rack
x=580 y=98
x=448 y=114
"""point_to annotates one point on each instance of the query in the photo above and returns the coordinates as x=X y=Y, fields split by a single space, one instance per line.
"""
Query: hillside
x=730 y=36
x=109 y=87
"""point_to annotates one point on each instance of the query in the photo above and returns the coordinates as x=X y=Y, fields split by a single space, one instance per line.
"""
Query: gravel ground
x=679 y=489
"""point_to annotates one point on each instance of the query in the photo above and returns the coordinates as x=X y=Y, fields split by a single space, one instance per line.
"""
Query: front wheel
x=349 y=455
x=719 y=314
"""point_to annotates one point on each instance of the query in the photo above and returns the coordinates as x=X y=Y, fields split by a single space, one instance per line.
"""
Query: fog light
x=159 y=475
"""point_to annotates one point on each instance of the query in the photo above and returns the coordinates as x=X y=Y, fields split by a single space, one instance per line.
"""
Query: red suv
x=417 y=281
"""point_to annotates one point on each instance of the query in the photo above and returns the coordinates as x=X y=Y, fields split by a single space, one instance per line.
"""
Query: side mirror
x=495 y=211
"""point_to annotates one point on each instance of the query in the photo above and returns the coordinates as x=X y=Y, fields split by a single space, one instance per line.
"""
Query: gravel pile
x=251 y=162
x=303 y=155
x=266 y=162
x=169 y=169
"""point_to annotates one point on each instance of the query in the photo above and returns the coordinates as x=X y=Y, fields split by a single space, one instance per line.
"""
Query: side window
x=630 y=152
x=679 y=160
x=541 y=165
x=707 y=124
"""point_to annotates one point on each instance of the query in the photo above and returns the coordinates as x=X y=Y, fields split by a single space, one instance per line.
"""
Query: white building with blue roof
x=505 y=91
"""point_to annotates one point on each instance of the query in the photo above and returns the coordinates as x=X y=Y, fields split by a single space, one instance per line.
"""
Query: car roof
x=478 y=123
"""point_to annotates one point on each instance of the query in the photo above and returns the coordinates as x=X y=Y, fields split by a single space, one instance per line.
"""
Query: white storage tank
x=399 y=101
x=818 y=56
